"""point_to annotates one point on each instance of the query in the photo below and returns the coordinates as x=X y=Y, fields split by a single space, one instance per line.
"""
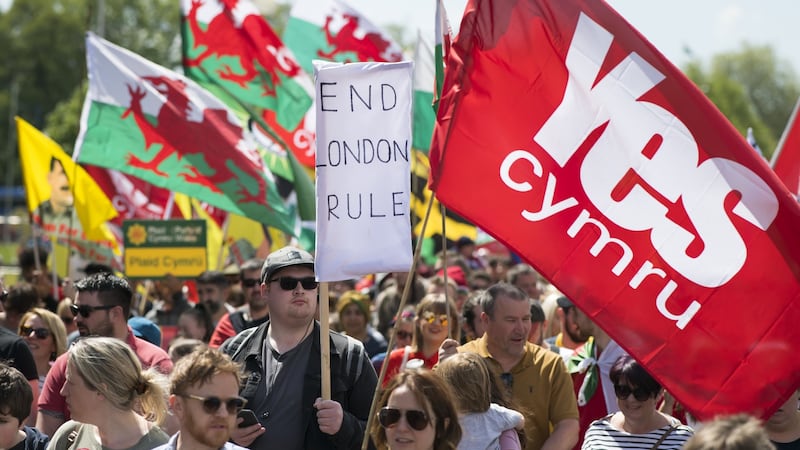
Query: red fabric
x=594 y=409
x=560 y=122
x=454 y=273
x=786 y=160
x=396 y=358
x=222 y=332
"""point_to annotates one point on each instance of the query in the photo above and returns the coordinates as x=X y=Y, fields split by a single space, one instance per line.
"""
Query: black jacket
x=353 y=383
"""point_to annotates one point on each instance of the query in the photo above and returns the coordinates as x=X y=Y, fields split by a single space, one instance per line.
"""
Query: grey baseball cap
x=285 y=257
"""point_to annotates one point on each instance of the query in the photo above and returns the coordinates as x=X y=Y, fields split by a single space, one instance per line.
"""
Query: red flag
x=608 y=170
x=132 y=197
x=786 y=159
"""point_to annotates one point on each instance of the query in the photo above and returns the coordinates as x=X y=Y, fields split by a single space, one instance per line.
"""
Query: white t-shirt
x=481 y=431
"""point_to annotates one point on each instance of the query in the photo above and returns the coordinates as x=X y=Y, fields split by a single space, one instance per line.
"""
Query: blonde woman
x=113 y=403
x=431 y=327
x=46 y=336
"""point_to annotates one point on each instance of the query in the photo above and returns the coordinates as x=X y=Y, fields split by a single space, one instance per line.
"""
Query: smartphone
x=249 y=418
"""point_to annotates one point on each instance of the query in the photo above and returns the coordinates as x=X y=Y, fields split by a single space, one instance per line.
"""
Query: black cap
x=285 y=257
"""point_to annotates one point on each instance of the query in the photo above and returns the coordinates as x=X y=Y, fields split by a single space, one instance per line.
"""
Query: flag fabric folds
x=786 y=159
x=237 y=56
x=334 y=31
x=142 y=119
x=63 y=199
x=568 y=137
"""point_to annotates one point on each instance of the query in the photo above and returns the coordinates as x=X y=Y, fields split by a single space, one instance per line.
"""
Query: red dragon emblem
x=371 y=47
x=207 y=145
x=253 y=42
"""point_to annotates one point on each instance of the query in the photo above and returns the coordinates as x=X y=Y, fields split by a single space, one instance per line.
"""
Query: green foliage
x=752 y=88
x=43 y=54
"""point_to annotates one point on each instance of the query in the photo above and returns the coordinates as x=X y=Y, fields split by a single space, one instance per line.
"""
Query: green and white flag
x=150 y=122
x=332 y=30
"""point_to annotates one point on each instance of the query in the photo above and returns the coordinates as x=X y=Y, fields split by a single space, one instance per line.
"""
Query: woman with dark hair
x=196 y=323
x=416 y=412
x=638 y=424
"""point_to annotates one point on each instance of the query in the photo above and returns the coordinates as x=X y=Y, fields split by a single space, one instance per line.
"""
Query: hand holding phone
x=249 y=418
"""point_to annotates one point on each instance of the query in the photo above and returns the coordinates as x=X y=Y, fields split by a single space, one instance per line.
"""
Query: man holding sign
x=282 y=361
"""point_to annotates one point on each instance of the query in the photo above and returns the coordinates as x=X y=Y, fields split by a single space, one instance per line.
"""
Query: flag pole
x=445 y=261
x=403 y=301
x=325 y=341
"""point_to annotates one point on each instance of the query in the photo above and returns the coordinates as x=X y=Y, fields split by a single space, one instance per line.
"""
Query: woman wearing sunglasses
x=113 y=403
x=46 y=336
x=638 y=424
x=431 y=327
x=416 y=412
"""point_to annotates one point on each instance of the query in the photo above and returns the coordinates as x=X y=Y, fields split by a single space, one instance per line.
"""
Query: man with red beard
x=204 y=396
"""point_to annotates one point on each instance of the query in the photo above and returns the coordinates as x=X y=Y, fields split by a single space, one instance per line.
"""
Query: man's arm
x=564 y=436
x=48 y=424
x=52 y=406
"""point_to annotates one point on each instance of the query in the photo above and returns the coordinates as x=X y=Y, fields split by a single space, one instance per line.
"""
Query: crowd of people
x=484 y=354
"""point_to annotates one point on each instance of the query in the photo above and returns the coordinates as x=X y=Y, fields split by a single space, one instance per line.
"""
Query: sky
x=707 y=27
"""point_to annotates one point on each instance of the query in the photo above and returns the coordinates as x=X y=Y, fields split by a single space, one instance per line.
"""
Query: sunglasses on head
x=431 y=318
x=623 y=391
x=388 y=417
x=38 y=333
x=211 y=404
x=85 y=310
x=289 y=283
x=250 y=282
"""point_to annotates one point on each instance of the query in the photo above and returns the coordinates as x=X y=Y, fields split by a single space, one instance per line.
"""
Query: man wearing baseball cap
x=281 y=360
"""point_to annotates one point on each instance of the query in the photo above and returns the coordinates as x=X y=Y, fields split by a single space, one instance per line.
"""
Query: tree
x=752 y=88
x=44 y=64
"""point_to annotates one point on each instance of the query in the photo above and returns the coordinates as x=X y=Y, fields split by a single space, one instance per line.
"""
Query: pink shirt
x=52 y=403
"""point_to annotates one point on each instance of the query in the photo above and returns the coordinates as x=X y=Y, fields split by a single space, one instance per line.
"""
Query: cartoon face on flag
x=611 y=173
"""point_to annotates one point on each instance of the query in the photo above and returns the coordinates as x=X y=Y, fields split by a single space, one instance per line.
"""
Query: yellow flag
x=58 y=189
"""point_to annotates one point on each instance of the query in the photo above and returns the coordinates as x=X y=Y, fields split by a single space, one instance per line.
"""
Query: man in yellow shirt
x=537 y=379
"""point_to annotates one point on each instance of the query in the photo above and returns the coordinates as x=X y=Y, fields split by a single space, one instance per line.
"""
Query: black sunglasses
x=39 y=333
x=388 y=417
x=404 y=334
x=623 y=391
x=3 y=295
x=85 y=310
x=250 y=282
x=289 y=283
x=211 y=404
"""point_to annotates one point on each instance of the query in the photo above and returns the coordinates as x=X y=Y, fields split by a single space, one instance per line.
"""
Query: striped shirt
x=601 y=436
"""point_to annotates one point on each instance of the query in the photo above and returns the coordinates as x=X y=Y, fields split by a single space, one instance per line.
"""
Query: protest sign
x=155 y=248
x=363 y=164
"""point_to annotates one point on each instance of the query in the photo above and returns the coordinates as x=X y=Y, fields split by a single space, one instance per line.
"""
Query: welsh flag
x=63 y=199
x=133 y=198
x=236 y=55
x=786 y=159
x=332 y=30
x=606 y=169
x=147 y=121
